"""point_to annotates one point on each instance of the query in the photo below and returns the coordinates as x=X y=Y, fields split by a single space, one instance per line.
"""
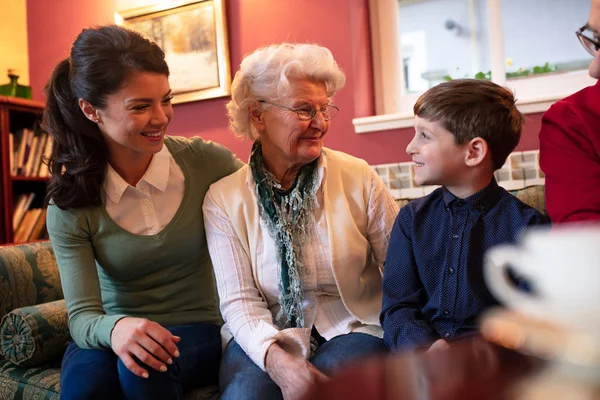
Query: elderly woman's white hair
x=265 y=74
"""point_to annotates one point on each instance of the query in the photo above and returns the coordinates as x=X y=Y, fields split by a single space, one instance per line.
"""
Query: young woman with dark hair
x=126 y=224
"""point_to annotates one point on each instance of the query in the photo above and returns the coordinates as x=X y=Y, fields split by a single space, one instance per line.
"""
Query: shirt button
x=455 y=236
x=446 y=312
x=447 y=335
x=145 y=201
x=451 y=270
x=154 y=230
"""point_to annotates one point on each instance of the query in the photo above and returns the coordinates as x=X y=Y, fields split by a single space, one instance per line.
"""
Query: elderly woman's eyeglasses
x=589 y=40
x=307 y=113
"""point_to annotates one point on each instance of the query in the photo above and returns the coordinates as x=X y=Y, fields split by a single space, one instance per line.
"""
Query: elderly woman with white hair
x=297 y=237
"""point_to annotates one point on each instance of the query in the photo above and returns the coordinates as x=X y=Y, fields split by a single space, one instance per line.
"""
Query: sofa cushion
x=32 y=336
x=28 y=276
x=22 y=383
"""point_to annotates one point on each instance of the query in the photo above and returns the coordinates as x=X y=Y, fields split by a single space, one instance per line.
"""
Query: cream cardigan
x=348 y=184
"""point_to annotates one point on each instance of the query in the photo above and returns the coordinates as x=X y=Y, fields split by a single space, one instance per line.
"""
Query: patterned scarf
x=289 y=217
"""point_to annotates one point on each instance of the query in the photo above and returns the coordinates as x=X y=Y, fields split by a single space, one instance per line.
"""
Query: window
x=539 y=34
x=528 y=46
x=447 y=37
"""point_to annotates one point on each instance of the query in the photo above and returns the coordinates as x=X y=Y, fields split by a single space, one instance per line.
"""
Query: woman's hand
x=293 y=375
x=148 y=341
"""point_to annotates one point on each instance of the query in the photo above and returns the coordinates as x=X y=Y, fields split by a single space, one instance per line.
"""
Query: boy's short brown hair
x=471 y=108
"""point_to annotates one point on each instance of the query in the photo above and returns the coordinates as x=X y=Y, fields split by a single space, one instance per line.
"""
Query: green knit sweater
x=108 y=273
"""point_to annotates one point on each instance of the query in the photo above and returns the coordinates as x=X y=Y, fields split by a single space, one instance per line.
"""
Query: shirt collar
x=156 y=175
x=483 y=200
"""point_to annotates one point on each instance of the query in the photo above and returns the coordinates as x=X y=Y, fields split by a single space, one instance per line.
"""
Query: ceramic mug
x=563 y=266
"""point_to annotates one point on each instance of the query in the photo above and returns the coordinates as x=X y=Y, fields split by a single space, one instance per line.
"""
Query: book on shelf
x=46 y=153
x=30 y=156
x=27 y=225
x=29 y=148
x=21 y=206
x=39 y=231
x=39 y=154
x=34 y=164
x=23 y=137
x=11 y=151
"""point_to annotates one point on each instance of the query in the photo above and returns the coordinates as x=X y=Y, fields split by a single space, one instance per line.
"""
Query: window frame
x=393 y=110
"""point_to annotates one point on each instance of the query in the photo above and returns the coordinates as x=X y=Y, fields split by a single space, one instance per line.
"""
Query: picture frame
x=193 y=35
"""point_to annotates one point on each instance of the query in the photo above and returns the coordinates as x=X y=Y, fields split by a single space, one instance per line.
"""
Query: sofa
x=34 y=328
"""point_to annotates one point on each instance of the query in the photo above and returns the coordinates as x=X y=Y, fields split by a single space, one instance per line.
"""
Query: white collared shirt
x=147 y=208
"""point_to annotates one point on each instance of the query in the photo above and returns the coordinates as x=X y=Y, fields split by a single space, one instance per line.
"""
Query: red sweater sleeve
x=569 y=157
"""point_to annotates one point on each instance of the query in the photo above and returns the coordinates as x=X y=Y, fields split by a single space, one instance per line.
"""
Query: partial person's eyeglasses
x=307 y=113
x=589 y=39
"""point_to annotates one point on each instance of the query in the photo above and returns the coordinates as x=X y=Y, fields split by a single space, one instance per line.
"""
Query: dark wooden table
x=474 y=368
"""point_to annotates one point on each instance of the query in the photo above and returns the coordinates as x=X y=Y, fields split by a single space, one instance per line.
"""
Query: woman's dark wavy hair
x=100 y=62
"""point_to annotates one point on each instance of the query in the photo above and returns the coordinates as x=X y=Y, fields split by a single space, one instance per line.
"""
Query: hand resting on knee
x=149 y=342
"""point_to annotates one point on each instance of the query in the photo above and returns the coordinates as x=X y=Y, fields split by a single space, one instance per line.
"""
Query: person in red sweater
x=570 y=142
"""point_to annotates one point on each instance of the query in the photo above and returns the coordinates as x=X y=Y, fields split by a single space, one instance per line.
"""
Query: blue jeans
x=240 y=378
x=100 y=374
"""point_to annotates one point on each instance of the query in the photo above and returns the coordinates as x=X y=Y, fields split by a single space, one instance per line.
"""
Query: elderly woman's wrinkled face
x=288 y=141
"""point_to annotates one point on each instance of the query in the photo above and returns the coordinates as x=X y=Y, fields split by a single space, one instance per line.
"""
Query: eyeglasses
x=591 y=44
x=307 y=113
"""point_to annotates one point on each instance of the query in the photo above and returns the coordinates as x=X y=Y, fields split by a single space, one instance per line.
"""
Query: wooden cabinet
x=17 y=114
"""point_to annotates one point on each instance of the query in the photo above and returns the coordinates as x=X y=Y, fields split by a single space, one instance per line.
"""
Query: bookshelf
x=17 y=117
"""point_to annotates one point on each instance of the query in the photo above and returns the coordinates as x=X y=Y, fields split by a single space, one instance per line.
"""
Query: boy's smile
x=438 y=159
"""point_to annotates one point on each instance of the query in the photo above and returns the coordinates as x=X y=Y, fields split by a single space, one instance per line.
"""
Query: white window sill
x=547 y=89
x=397 y=121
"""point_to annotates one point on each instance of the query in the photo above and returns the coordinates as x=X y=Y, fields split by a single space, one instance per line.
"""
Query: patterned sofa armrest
x=533 y=196
x=28 y=276
x=36 y=335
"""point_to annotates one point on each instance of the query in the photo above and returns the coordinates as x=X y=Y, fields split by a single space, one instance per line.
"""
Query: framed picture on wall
x=193 y=36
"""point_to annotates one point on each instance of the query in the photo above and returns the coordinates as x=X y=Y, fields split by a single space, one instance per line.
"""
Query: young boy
x=433 y=286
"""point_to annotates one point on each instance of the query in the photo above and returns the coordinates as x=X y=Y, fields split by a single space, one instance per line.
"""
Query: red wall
x=340 y=25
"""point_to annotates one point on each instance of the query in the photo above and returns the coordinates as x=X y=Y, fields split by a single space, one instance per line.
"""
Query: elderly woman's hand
x=148 y=341
x=293 y=375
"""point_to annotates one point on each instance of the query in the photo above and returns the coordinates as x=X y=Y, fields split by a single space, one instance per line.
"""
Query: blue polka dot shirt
x=433 y=285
